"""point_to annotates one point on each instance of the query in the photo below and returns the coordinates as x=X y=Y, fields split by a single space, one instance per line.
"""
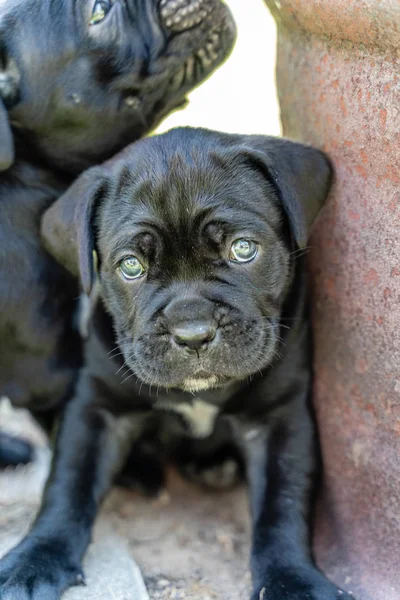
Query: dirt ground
x=188 y=544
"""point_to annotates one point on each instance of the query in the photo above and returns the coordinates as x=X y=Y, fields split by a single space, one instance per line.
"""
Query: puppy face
x=82 y=79
x=194 y=232
x=194 y=269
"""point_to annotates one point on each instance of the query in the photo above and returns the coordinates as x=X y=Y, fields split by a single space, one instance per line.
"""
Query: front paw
x=38 y=570
x=14 y=451
x=299 y=583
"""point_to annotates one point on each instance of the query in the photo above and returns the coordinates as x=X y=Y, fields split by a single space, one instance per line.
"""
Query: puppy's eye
x=243 y=251
x=100 y=11
x=131 y=267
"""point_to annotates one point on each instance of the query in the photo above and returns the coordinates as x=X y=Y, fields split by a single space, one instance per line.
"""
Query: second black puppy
x=200 y=292
x=78 y=82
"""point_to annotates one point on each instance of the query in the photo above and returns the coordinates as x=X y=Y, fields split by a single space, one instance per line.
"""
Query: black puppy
x=78 y=81
x=187 y=244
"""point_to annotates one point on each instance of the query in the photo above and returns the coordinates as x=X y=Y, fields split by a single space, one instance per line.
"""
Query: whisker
x=272 y=326
x=116 y=355
x=121 y=367
x=113 y=350
x=124 y=366
x=301 y=251
x=289 y=319
x=128 y=377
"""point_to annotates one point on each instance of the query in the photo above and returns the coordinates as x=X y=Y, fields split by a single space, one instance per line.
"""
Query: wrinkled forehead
x=182 y=191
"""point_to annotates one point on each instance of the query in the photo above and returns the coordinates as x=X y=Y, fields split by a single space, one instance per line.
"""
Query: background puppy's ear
x=301 y=174
x=6 y=140
x=67 y=226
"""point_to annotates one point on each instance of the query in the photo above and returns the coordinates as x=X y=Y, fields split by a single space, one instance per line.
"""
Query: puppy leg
x=281 y=465
x=90 y=448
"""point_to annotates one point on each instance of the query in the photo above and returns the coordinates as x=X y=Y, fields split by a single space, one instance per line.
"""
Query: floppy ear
x=301 y=175
x=6 y=139
x=67 y=226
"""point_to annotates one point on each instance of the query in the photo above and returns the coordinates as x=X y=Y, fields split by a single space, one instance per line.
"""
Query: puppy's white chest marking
x=199 y=415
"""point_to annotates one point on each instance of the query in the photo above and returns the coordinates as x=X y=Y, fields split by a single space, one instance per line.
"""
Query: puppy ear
x=301 y=175
x=6 y=139
x=67 y=226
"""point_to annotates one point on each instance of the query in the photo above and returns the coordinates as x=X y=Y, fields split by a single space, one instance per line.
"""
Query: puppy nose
x=194 y=335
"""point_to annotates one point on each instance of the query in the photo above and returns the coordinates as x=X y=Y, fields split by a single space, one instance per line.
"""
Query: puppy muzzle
x=196 y=344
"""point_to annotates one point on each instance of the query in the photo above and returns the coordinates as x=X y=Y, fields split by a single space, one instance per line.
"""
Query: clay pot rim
x=372 y=24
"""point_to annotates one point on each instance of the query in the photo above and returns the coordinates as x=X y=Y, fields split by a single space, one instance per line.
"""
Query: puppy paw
x=220 y=476
x=211 y=466
x=38 y=571
x=14 y=451
x=293 y=583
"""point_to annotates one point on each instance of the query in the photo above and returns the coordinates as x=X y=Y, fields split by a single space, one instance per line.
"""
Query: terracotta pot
x=338 y=75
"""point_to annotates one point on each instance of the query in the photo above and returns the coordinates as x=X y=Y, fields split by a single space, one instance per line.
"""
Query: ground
x=188 y=544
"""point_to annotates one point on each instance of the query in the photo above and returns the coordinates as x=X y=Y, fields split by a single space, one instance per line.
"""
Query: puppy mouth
x=195 y=380
x=215 y=40
x=181 y=15
x=155 y=360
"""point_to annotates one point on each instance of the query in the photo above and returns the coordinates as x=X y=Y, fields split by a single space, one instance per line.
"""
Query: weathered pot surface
x=338 y=77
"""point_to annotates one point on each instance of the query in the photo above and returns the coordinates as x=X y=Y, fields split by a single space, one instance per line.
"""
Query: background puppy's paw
x=220 y=470
x=223 y=476
x=38 y=571
x=14 y=451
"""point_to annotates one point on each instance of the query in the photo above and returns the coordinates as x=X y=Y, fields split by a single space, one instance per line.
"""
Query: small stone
x=162 y=500
x=132 y=102
x=225 y=541
x=163 y=583
x=127 y=510
x=80 y=579
x=76 y=98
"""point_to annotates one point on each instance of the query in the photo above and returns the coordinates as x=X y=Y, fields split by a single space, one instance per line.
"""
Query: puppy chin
x=196 y=385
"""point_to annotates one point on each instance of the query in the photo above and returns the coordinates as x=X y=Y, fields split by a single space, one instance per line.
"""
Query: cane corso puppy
x=79 y=80
x=188 y=246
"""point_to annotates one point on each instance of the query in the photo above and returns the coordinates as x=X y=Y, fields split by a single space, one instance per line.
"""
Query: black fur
x=178 y=202
x=71 y=95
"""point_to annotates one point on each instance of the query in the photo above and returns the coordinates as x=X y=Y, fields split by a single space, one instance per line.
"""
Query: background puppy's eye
x=243 y=251
x=100 y=11
x=131 y=267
